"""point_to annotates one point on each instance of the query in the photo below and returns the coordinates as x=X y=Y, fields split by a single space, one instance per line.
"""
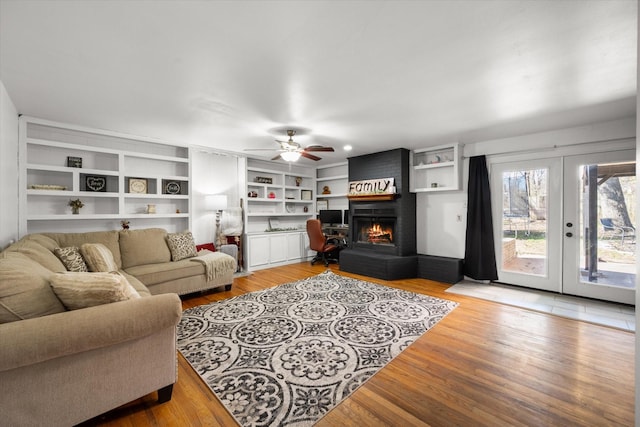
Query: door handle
x=569 y=234
x=569 y=224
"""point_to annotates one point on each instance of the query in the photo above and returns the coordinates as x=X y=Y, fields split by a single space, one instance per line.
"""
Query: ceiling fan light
x=290 y=156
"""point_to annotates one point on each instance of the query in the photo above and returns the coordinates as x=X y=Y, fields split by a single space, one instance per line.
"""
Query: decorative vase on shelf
x=75 y=206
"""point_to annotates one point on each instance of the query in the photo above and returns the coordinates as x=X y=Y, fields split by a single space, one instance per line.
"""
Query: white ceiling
x=374 y=74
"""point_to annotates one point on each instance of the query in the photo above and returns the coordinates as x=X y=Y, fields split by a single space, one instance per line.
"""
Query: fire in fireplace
x=376 y=231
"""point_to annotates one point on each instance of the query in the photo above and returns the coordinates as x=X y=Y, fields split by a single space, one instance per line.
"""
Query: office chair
x=318 y=242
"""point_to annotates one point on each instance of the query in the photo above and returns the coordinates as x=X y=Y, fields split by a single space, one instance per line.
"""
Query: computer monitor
x=330 y=216
x=345 y=216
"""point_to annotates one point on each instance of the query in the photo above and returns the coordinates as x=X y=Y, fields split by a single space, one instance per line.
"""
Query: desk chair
x=318 y=242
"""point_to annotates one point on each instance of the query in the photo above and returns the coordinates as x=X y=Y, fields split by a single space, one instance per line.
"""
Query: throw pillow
x=71 y=258
x=181 y=245
x=98 y=257
x=82 y=290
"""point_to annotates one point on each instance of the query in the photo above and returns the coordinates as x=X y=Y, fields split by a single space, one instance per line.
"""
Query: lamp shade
x=215 y=202
x=290 y=156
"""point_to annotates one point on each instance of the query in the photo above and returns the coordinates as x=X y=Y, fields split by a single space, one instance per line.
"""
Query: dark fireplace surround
x=382 y=234
x=398 y=216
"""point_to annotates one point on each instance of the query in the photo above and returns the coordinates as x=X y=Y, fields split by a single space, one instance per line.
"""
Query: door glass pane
x=524 y=221
x=607 y=200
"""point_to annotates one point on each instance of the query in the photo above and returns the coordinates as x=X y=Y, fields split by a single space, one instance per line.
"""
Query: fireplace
x=382 y=233
x=375 y=229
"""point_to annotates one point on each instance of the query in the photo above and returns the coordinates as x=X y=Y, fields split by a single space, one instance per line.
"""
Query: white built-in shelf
x=435 y=169
x=109 y=160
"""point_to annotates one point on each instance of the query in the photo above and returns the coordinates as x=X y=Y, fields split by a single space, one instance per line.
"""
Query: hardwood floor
x=485 y=364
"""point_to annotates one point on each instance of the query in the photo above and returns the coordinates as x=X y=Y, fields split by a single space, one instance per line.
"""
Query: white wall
x=441 y=217
x=8 y=169
x=212 y=173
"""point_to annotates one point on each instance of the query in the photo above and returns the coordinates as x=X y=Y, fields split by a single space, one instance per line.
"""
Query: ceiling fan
x=291 y=151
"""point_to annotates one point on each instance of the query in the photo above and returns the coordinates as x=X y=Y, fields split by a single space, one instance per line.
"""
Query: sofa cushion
x=137 y=284
x=107 y=238
x=71 y=258
x=140 y=247
x=152 y=274
x=38 y=253
x=98 y=257
x=81 y=290
x=24 y=289
x=181 y=245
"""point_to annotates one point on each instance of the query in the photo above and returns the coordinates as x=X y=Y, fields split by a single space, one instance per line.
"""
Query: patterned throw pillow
x=71 y=258
x=98 y=257
x=181 y=245
x=82 y=290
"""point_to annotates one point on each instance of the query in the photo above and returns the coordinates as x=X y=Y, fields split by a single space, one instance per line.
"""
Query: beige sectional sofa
x=62 y=367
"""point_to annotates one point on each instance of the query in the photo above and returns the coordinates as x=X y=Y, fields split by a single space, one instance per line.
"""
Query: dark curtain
x=479 y=253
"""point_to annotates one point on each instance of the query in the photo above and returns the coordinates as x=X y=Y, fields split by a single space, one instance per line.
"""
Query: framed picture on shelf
x=95 y=183
x=274 y=223
x=74 y=162
x=322 y=205
x=138 y=185
x=306 y=194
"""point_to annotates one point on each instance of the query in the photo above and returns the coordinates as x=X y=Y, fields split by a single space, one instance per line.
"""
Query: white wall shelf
x=109 y=161
x=435 y=169
x=336 y=177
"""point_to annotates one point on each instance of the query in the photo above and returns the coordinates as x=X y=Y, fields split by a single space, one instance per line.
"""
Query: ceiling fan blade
x=318 y=148
x=278 y=157
x=309 y=156
x=260 y=149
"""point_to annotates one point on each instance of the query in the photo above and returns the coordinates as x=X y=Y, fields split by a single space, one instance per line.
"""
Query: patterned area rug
x=289 y=354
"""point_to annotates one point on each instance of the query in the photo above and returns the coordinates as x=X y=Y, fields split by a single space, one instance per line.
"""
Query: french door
x=567 y=224
x=599 y=226
x=526 y=205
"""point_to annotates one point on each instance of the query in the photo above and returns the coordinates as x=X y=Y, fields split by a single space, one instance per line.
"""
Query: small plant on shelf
x=125 y=224
x=75 y=205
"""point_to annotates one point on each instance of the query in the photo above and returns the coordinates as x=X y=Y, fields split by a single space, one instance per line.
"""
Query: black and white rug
x=289 y=354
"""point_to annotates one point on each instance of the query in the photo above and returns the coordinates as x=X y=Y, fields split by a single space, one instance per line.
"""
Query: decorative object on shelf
x=306 y=194
x=172 y=187
x=138 y=185
x=177 y=211
x=74 y=162
x=96 y=183
x=305 y=209
x=151 y=209
x=216 y=203
x=252 y=194
x=125 y=224
x=298 y=181
x=48 y=187
x=290 y=207
x=75 y=206
x=434 y=185
x=322 y=205
x=272 y=195
x=274 y=224
x=263 y=180
x=326 y=190
x=372 y=189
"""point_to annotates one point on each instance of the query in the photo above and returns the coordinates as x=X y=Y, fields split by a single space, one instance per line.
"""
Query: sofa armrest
x=36 y=340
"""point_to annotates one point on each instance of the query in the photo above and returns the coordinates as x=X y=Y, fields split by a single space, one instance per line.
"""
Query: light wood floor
x=485 y=364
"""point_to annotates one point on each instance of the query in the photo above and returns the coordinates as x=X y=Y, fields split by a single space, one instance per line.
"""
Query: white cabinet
x=276 y=248
x=435 y=168
x=117 y=177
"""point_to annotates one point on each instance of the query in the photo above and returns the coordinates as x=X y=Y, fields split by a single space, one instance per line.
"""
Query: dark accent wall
x=386 y=164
